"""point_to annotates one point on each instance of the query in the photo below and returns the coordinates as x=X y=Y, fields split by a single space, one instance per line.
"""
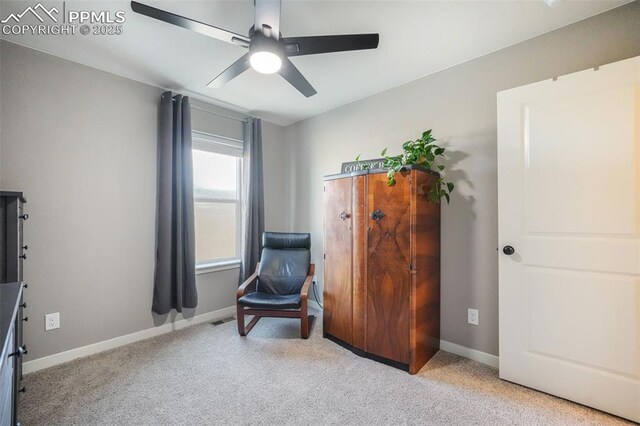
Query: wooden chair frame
x=302 y=313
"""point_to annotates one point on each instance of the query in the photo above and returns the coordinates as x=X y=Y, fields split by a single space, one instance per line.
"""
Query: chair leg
x=240 y=317
x=253 y=322
x=304 y=323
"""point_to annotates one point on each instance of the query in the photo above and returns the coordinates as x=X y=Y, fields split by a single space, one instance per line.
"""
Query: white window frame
x=202 y=141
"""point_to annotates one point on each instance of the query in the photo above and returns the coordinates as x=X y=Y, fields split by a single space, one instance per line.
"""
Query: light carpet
x=207 y=374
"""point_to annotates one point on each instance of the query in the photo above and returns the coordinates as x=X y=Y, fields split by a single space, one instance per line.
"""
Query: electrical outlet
x=472 y=316
x=52 y=321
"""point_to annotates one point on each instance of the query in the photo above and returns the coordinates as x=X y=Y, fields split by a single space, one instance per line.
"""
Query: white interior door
x=569 y=205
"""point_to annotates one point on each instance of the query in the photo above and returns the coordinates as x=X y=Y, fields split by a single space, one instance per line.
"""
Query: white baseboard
x=94 y=348
x=483 y=357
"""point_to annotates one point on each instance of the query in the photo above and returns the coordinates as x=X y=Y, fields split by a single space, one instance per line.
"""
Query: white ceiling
x=417 y=38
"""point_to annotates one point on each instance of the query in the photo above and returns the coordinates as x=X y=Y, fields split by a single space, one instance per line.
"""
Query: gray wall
x=81 y=144
x=460 y=105
x=276 y=178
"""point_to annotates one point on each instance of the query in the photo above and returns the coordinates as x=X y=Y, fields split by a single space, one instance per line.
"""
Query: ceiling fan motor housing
x=262 y=43
x=266 y=31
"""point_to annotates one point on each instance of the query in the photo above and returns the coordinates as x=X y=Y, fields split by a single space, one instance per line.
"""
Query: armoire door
x=388 y=264
x=338 y=260
x=569 y=229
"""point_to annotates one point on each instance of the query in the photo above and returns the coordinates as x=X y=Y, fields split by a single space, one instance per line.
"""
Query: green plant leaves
x=391 y=177
x=422 y=152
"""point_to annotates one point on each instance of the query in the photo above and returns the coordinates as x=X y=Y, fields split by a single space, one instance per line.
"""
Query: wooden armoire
x=382 y=266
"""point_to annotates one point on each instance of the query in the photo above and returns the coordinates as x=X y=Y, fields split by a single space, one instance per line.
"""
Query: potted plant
x=425 y=153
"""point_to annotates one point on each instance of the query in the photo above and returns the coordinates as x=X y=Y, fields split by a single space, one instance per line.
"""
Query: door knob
x=508 y=250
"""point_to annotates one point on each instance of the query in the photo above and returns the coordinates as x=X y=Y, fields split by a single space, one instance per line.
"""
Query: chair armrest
x=304 y=293
x=245 y=285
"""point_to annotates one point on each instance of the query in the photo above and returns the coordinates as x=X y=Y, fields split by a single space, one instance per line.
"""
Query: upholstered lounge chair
x=279 y=287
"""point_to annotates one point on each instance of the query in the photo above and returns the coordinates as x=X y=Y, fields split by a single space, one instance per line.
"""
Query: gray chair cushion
x=270 y=301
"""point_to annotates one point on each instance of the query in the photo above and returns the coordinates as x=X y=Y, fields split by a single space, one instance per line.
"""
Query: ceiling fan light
x=265 y=62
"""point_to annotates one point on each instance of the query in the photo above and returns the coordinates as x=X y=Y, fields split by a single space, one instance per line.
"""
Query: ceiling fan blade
x=296 y=79
x=190 y=24
x=311 y=45
x=234 y=70
x=267 y=17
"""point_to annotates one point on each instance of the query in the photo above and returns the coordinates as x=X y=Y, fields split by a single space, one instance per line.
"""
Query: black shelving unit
x=13 y=253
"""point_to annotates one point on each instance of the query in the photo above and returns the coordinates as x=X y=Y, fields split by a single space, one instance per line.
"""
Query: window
x=217 y=164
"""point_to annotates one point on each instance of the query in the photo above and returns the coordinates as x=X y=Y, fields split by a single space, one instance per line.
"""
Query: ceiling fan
x=269 y=52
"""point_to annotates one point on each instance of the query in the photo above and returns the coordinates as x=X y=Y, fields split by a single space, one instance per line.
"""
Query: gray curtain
x=175 y=272
x=253 y=197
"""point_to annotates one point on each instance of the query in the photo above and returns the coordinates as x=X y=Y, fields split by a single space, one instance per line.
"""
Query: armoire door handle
x=344 y=215
x=377 y=215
